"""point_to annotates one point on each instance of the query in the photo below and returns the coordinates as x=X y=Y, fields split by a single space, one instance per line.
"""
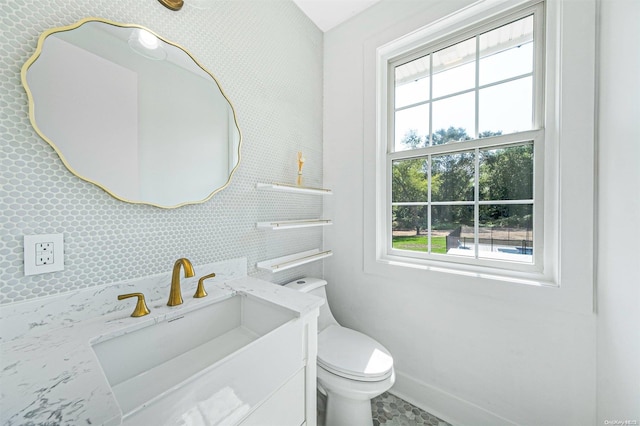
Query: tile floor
x=389 y=410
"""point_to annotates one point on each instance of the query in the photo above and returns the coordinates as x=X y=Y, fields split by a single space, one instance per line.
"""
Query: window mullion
x=505 y=202
x=429 y=204
x=430 y=102
x=476 y=88
x=476 y=204
x=477 y=91
x=389 y=207
x=470 y=145
x=452 y=203
x=476 y=163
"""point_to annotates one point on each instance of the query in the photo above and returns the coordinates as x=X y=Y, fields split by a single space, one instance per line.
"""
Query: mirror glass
x=132 y=113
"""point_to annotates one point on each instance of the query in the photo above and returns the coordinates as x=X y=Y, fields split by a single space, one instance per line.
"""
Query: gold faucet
x=200 y=291
x=141 y=307
x=175 y=295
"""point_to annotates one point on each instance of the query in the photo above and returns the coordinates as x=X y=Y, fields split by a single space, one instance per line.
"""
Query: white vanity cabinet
x=294 y=403
x=286 y=407
x=270 y=380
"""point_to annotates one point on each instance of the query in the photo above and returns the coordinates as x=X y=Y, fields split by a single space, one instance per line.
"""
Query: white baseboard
x=444 y=405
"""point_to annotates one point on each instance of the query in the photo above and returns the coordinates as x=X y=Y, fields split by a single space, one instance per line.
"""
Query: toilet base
x=349 y=401
x=342 y=411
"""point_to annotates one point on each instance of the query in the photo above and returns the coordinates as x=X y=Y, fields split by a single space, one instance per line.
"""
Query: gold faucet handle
x=141 y=307
x=200 y=292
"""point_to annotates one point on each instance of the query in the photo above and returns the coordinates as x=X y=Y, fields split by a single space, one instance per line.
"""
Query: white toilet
x=353 y=368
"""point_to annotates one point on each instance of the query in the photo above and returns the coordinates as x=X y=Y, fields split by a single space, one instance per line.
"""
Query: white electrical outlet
x=43 y=253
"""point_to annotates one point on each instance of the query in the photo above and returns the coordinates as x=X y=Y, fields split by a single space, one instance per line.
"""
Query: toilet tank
x=316 y=286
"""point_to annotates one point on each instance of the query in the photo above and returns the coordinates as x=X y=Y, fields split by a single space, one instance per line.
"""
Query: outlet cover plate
x=43 y=253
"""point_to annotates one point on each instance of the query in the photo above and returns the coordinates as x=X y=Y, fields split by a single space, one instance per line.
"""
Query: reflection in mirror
x=132 y=113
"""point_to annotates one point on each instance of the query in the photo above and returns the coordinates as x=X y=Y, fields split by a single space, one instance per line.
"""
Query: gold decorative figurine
x=301 y=161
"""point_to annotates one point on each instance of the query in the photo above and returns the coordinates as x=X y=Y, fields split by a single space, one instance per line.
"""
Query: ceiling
x=327 y=14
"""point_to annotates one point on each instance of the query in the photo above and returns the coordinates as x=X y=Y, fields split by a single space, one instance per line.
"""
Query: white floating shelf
x=293 y=188
x=293 y=260
x=289 y=224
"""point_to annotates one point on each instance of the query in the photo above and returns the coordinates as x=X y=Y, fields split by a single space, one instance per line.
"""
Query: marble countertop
x=50 y=374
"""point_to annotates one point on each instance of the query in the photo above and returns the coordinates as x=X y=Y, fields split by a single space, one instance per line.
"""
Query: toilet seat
x=353 y=355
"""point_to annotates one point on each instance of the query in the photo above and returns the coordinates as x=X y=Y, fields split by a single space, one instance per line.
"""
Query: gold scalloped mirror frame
x=30 y=97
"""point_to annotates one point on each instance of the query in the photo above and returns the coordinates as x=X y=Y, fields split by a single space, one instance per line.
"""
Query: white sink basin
x=165 y=361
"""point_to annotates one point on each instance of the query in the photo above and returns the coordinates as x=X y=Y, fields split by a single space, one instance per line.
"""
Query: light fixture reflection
x=146 y=44
x=147 y=39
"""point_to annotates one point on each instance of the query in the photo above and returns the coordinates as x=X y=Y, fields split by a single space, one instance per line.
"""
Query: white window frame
x=566 y=279
x=535 y=135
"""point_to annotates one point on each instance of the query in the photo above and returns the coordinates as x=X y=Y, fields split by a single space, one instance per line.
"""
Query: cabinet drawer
x=286 y=407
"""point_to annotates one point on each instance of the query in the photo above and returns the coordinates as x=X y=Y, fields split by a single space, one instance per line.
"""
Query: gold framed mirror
x=133 y=113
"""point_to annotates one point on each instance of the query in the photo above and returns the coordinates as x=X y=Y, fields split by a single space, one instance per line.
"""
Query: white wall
x=619 y=213
x=471 y=357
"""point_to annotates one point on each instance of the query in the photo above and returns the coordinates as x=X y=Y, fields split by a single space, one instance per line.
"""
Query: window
x=559 y=272
x=464 y=147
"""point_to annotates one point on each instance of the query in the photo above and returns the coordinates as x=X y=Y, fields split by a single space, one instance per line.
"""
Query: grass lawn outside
x=420 y=243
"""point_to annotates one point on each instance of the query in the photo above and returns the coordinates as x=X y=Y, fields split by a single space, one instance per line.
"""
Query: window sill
x=531 y=290
x=472 y=271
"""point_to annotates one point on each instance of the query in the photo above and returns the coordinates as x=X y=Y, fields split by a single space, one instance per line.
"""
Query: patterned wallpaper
x=267 y=56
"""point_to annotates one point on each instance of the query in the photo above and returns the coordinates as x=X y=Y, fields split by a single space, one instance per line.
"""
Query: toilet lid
x=351 y=354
